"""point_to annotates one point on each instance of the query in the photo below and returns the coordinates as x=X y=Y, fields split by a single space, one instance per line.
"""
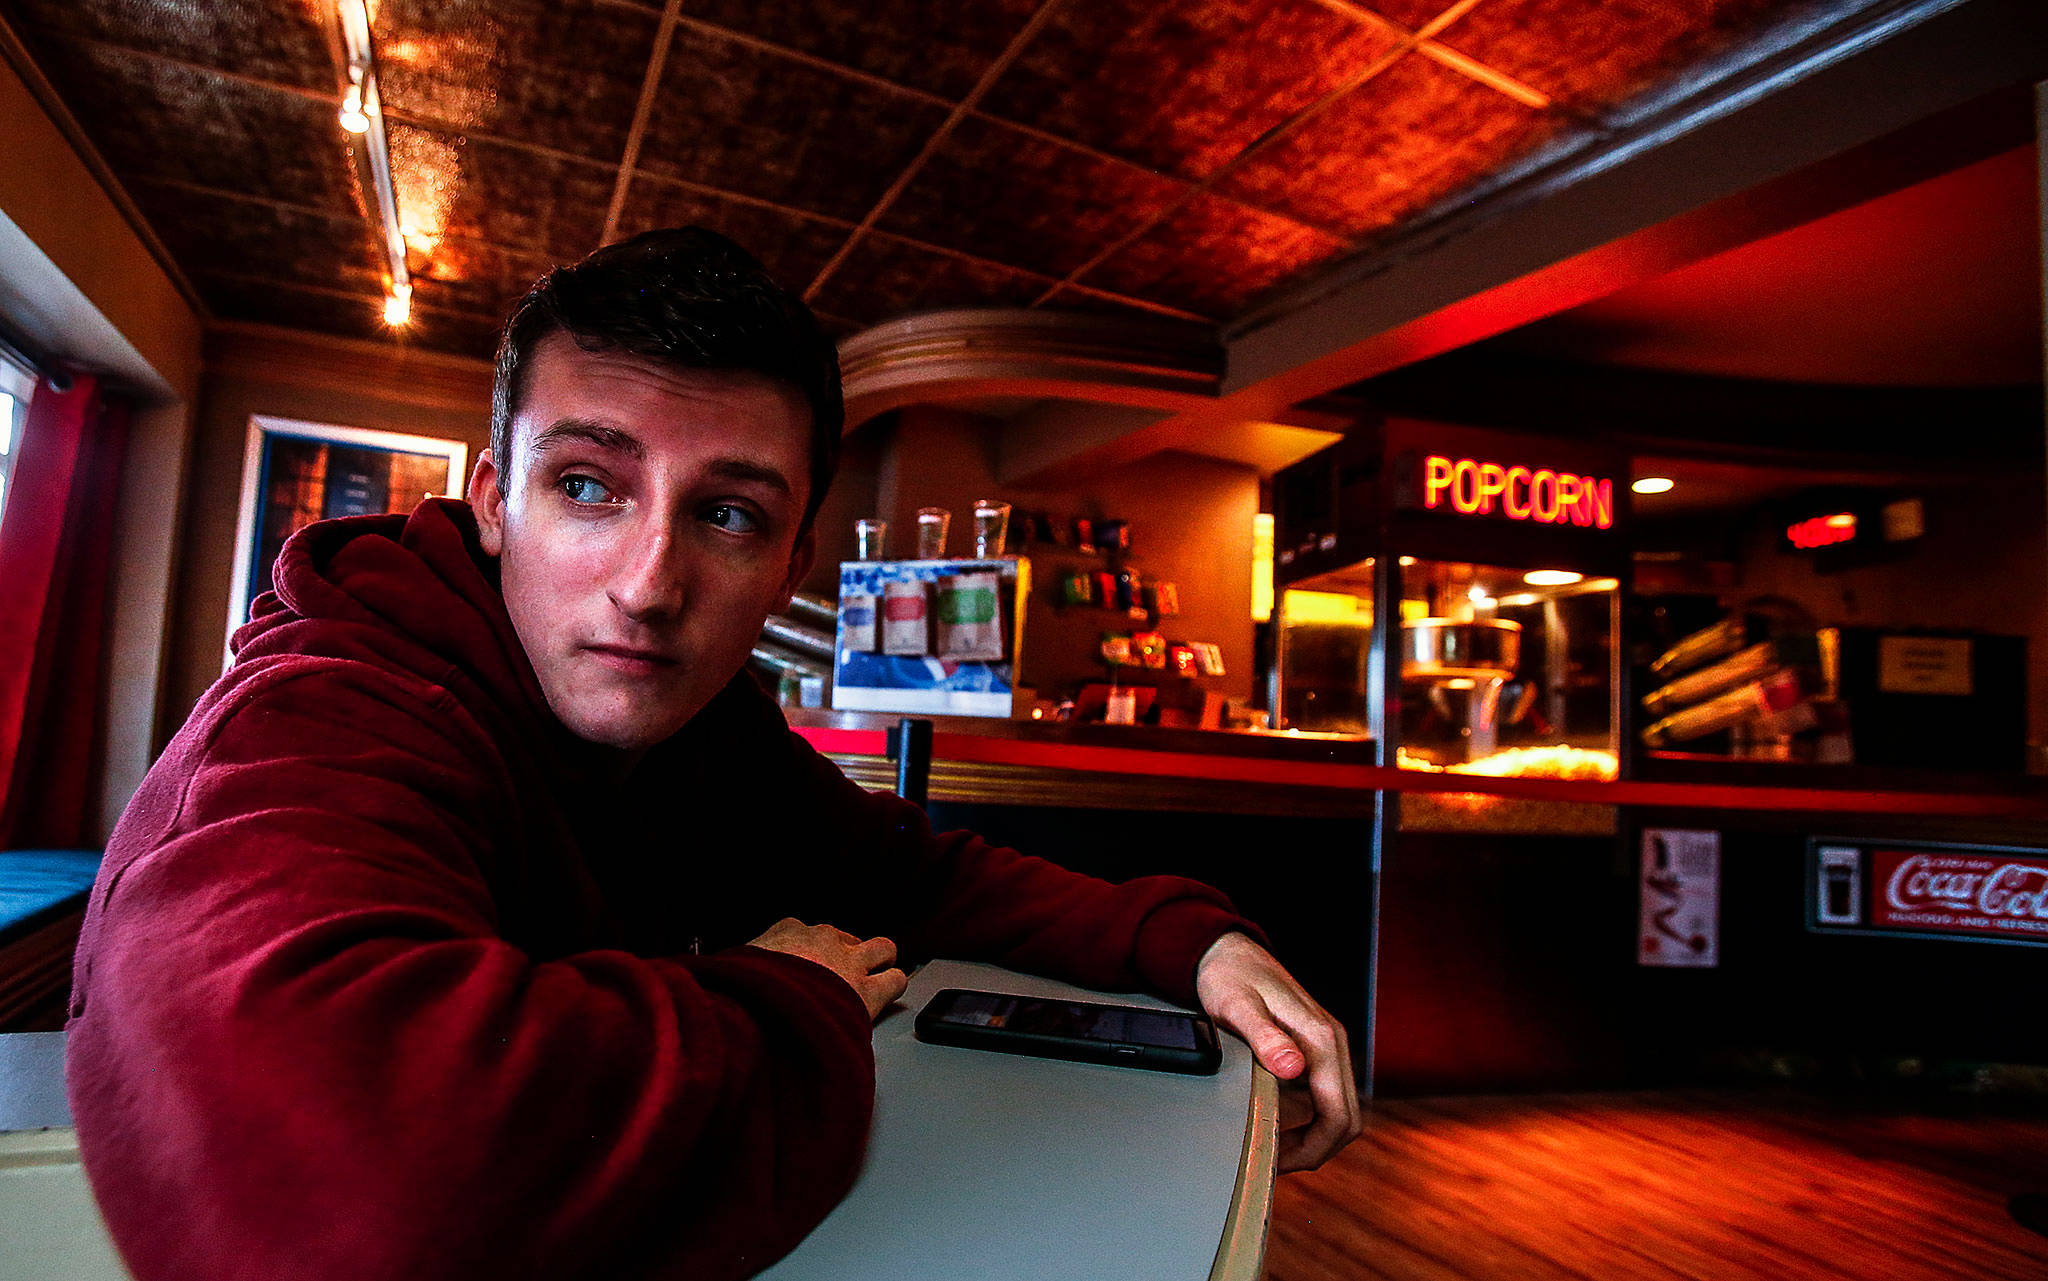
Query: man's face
x=648 y=525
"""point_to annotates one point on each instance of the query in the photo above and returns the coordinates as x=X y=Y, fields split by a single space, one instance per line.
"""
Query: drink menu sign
x=1986 y=893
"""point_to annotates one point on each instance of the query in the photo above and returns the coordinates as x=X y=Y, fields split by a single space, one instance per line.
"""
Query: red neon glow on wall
x=1474 y=488
x=1822 y=531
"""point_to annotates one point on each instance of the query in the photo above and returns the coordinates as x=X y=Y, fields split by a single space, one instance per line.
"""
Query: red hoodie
x=386 y=975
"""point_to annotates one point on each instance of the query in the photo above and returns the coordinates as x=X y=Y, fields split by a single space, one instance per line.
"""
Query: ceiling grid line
x=1419 y=40
x=422 y=120
x=320 y=96
x=966 y=105
x=220 y=127
x=330 y=291
x=840 y=69
x=657 y=60
x=1257 y=146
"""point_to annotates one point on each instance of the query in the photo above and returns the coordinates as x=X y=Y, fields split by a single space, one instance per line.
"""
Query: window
x=16 y=384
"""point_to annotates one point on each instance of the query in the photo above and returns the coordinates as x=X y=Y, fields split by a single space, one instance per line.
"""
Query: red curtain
x=56 y=545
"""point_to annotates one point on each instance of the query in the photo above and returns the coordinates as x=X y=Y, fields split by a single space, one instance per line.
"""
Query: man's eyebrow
x=747 y=469
x=592 y=432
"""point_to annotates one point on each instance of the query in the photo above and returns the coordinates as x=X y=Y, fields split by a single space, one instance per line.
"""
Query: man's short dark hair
x=685 y=297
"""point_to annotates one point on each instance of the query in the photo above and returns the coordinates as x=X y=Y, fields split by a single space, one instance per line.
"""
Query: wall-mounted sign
x=1845 y=528
x=1924 y=665
x=1680 y=921
x=1986 y=893
x=1822 y=531
x=1473 y=487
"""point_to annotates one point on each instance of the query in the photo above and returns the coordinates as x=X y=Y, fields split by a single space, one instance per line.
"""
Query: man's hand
x=859 y=961
x=1246 y=990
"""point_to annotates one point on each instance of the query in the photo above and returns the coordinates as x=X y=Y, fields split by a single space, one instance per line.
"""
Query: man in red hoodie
x=461 y=931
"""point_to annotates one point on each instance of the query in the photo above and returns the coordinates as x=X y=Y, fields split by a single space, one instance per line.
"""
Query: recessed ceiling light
x=1653 y=485
x=1552 y=578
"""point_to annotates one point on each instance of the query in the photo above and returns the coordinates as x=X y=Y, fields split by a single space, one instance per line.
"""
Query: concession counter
x=1537 y=810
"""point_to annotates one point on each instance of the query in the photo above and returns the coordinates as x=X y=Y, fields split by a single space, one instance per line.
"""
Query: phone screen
x=1110 y=1024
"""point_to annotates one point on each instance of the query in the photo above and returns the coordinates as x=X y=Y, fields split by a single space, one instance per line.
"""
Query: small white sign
x=1681 y=898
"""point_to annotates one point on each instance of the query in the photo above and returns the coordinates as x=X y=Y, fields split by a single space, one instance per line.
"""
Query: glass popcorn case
x=1453 y=594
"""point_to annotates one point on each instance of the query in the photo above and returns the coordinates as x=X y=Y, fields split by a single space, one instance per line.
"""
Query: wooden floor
x=1664 y=1185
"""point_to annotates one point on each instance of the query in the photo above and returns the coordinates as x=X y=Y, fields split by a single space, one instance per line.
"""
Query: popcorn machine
x=1453 y=594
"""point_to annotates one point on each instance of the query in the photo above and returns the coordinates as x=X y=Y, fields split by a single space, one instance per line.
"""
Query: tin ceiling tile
x=1405 y=139
x=1212 y=256
x=790 y=245
x=998 y=193
x=474 y=277
x=1412 y=14
x=939 y=48
x=563 y=74
x=1181 y=88
x=156 y=119
x=281 y=41
x=235 y=298
x=754 y=122
x=474 y=186
x=207 y=232
x=885 y=277
x=1593 y=54
x=1079 y=299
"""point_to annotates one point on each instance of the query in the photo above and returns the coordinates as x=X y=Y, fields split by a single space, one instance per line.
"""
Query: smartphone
x=1166 y=1040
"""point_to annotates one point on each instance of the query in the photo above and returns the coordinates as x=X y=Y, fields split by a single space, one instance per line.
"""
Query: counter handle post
x=910 y=743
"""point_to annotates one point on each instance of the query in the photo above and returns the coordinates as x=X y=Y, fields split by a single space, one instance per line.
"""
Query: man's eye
x=585 y=489
x=735 y=520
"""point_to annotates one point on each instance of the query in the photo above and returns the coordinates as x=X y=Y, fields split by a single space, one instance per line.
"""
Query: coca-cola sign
x=1990 y=893
x=1935 y=891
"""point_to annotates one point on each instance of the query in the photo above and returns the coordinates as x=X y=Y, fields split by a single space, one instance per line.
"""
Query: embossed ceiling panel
x=885 y=277
x=1180 y=88
x=476 y=277
x=346 y=315
x=733 y=115
x=882 y=155
x=154 y=118
x=211 y=232
x=1212 y=256
x=940 y=48
x=284 y=43
x=1405 y=139
x=1593 y=54
x=475 y=186
x=792 y=246
x=563 y=74
x=1015 y=198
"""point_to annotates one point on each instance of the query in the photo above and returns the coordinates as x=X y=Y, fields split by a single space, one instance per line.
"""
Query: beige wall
x=256 y=370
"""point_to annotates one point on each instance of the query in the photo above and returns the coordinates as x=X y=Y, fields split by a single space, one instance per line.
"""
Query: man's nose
x=653 y=578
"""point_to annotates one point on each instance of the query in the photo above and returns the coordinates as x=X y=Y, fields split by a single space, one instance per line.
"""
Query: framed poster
x=294 y=473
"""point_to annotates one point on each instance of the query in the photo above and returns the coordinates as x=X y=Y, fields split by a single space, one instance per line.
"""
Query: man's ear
x=800 y=558
x=488 y=504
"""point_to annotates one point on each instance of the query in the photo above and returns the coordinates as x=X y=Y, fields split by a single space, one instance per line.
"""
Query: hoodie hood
x=413 y=591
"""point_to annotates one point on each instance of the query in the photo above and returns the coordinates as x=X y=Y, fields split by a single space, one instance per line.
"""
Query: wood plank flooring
x=1666 y=1185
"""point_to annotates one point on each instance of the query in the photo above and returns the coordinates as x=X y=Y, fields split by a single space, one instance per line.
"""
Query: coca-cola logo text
x=1968 y=886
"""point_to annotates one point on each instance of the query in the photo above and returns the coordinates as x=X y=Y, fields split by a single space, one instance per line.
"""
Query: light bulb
x=352 y=117
x=1551 y=578
x=1654 y=485
x=398 y=305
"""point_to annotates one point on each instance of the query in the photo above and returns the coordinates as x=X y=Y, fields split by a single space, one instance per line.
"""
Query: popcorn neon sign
x=1474 y=488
